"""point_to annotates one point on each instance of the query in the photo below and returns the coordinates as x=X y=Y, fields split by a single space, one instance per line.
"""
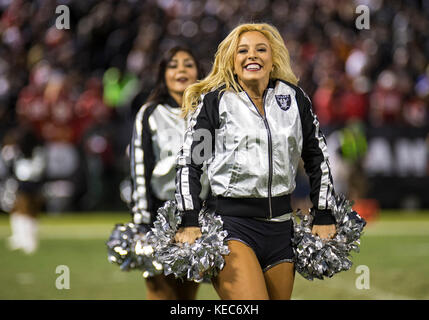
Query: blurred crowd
x=79 y=88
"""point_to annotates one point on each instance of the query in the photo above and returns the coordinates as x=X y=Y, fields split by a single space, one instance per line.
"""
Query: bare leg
x=242 y=277
x=186 y=290
x=24 y=223
x=279 y=280
x=161 y=287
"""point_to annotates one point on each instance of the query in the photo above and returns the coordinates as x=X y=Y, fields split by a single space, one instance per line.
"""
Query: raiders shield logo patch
x=283 y=101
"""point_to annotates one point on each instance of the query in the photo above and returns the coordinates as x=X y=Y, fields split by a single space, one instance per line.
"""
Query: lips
x=253 y=67
x=182 y=79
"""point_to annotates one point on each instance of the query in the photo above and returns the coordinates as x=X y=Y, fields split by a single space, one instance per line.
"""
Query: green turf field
x=395 y=249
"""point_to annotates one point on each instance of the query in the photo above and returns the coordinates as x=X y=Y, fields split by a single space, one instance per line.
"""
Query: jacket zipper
x=270 y=150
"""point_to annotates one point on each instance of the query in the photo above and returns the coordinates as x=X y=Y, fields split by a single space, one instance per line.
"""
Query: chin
x=181 y=88
x=252 y=79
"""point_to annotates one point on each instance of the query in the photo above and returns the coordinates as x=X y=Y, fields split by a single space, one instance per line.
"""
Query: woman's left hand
x=325 y=232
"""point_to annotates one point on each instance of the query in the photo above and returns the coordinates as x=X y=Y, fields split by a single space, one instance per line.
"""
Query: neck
x=177 y=97
x=254 y=89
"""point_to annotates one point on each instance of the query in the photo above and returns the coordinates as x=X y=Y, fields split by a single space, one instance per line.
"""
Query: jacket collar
x=170 y=101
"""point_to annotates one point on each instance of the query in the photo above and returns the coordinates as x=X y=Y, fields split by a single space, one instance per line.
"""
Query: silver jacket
x=156 y=141
x=252 y=160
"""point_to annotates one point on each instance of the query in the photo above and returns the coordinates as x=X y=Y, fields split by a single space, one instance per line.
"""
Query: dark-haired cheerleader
x=157 y=137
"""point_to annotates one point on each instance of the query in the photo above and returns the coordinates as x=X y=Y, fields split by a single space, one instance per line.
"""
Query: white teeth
x=253 y=66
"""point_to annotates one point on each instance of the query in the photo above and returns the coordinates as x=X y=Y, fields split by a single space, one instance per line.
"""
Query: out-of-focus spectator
x=24 y=156
x=353 y=101
x=323 y=102
x=415 y=112
x=386 y=100
x=90 y=108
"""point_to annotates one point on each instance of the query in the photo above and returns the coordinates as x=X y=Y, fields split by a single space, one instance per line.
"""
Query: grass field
x=395 y=248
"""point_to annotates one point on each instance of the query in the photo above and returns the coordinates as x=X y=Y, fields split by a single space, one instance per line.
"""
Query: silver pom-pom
x=128 y=247
x=195 y=262
x=317 y=258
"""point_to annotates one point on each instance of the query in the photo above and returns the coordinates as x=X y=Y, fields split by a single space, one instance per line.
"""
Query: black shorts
x=271 y=241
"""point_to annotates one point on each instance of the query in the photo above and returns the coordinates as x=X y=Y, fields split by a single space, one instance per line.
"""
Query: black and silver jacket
x=251 y=159
x=156 y=140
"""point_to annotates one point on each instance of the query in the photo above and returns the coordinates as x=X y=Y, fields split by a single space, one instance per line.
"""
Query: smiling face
x=181 y=72
x=253 y=59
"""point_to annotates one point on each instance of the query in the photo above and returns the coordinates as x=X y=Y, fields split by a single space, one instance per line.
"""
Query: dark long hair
x=160 y=91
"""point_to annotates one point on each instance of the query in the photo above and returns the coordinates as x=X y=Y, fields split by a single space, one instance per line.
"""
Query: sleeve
x=142 y=162
x=316 y=161
x=198 y=146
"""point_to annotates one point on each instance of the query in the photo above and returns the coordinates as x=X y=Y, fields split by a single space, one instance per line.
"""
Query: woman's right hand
x=188 y=234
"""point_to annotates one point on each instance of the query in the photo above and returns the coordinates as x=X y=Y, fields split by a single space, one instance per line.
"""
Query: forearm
x=198 y=146
x=141 y=167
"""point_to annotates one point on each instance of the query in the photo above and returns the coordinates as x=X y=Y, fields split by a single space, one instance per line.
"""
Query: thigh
x=162 y=287
x=279 y=280
x=242 y=277
x=187 y=290
x=21 y=204
x=28 y=204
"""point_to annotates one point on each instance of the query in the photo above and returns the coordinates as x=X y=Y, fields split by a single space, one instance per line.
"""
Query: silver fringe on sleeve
x=317 y=258
x=194 y=262
x=128 y=247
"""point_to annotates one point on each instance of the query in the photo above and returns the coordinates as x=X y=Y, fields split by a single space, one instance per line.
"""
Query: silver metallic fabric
x=166 y=127
x=128 y=247
x=317 y=258
x=194 y=262
x=255 y=156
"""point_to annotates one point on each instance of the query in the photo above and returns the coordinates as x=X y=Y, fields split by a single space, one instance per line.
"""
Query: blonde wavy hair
x=222 y=72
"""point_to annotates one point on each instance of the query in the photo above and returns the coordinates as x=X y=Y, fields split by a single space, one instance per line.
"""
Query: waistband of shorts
x=282 y=218
x=250 y=207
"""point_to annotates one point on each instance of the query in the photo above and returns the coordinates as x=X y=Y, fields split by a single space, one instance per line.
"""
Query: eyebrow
x=185 y=60
x=258 y=44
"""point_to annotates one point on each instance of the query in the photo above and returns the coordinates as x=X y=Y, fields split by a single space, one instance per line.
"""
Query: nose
x=252 y=54
x=181 y=67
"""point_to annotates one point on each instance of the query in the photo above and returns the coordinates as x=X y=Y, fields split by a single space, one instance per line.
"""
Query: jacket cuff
x=190 y=218
x=323 y=217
